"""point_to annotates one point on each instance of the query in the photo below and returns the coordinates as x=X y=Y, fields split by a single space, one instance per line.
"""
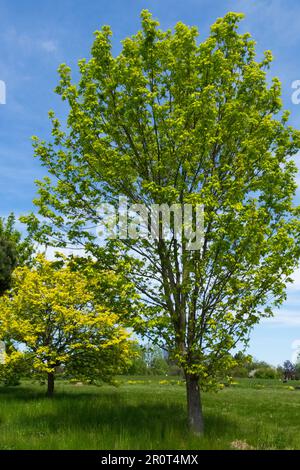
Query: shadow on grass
x=109 y=412
x=27 y=393
x=88 y=410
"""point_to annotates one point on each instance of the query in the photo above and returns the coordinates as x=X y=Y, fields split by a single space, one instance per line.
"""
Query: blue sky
x=35 y=37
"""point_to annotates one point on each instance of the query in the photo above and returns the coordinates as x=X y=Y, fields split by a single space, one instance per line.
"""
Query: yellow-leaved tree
x=54 y=318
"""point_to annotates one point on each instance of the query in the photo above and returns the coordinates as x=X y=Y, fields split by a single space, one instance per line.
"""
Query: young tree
x=170 y=120
x=54 y=314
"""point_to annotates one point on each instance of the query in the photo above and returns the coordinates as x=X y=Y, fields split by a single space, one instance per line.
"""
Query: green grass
x=265 y=414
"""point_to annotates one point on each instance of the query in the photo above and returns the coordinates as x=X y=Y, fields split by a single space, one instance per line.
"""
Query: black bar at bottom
x=140 y=458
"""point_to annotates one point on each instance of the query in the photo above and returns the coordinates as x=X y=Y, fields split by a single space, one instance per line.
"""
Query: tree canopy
x=174 y=120
x=53 y=313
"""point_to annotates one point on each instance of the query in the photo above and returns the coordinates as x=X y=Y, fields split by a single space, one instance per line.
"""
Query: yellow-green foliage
x=173 y=119
x=53 y=312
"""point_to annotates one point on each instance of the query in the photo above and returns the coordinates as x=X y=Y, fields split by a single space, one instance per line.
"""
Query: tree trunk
x=50 y=389
x=194 y=406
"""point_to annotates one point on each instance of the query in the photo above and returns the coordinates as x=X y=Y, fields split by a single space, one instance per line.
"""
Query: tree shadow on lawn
x=91 y=411
x=27 y=393
x=19 y=393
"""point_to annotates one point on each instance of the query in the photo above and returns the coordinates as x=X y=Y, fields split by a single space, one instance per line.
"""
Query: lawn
x=149 y=413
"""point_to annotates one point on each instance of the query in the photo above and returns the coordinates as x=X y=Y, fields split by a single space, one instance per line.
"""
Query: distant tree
x=155 y=359
x=52 y=311
x=297 y=370
x=242 y=365
x=256 y=364
x=138 y=365
x=14 y=251
x=280 y=371
x=159 y=366
x=149 y=360
x=289 y=370
x=266 y=373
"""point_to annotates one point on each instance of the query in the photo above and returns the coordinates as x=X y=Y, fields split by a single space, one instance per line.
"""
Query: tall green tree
x=171 y=120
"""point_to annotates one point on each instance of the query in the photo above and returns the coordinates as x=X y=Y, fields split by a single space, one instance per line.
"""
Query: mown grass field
x=148 y=413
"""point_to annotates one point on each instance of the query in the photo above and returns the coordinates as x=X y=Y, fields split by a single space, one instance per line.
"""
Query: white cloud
x=274 y=15
x=29 y=43
x=284 y=317
x=49 y=46
x=295 y=286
